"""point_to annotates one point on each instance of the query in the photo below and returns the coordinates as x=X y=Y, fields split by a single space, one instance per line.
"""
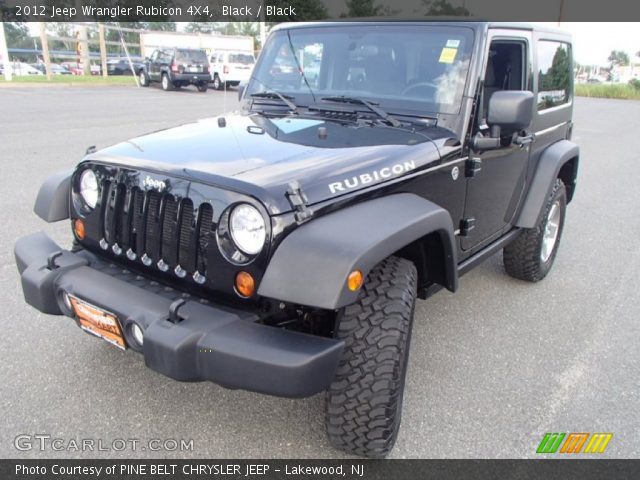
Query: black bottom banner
x=318 y=469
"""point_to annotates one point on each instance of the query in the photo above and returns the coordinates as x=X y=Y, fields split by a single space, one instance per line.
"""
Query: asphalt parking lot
x=492 y=368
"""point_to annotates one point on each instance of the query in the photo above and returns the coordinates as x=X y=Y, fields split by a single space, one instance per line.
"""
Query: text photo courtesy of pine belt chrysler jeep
x=297 y=234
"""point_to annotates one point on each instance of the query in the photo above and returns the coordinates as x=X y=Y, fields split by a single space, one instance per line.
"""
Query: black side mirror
x=241 y=88
x=510 y=111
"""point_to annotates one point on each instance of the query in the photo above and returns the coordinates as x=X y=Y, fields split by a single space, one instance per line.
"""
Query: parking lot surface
x=492 y=368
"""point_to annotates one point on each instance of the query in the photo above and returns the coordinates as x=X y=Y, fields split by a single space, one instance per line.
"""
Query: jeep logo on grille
x=153 y=183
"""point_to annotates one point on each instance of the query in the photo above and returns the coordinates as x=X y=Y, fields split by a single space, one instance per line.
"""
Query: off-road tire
x=167 y=84
x=217 y=84
x=522 y=258
x=364 y=401
x=144 y=79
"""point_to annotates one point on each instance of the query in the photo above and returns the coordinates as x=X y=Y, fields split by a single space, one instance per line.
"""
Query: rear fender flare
x=311 y=265
x=547 y=170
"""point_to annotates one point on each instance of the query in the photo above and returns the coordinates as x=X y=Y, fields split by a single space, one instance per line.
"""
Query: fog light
x=354 y=281
x=245 y=284
x=78 y=229
x=137 y=334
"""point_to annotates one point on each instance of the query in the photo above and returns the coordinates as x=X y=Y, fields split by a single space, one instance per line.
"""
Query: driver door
x=495 y=188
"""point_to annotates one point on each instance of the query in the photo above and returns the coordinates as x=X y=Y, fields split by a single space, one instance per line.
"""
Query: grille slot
x=159 y=225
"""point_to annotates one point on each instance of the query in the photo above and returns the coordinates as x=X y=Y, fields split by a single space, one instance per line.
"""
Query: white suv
x=229 y=69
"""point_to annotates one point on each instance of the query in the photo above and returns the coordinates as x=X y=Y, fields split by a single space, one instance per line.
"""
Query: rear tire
x=531 y=256
x=364 y=401
x=167 y=84
x=202 y=87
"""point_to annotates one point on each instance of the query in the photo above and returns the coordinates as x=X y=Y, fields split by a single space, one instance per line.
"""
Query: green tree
x=618 y=58
x=363 y=8
x=444 y=8
x=162 y=26
x=17 y=35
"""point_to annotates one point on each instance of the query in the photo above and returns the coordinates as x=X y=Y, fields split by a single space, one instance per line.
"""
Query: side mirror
x=511 y=110
x=241 y=88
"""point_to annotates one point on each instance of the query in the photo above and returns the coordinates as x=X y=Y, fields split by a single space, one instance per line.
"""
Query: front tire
x=364 y=401
x=144 y=79
x=531 y=256
x=167 y=84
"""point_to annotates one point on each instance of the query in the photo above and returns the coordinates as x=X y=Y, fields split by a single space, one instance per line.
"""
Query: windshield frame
x=304 y=97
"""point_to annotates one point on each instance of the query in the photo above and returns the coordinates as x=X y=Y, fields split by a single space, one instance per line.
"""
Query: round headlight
x=89 y=188
x=247 y=229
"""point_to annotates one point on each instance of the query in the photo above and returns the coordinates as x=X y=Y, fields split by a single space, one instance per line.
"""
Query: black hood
x=261 y=156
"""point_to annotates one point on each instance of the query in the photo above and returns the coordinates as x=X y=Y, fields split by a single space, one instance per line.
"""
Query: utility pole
x=84 y=49
x=45 y=50
x=103 y=50
x=4 y=54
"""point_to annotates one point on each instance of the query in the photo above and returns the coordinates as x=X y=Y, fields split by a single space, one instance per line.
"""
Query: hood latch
x=299 y=202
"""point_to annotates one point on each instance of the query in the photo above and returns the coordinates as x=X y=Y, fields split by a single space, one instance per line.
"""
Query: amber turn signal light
x=245 y=284
x=354 y=281
x=78 y=228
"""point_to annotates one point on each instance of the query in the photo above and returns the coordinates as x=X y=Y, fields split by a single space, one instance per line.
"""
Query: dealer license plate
x=98 y=322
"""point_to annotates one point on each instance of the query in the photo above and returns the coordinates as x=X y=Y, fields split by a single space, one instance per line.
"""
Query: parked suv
x=229 y=69
x=282 y=249
x=175 y=68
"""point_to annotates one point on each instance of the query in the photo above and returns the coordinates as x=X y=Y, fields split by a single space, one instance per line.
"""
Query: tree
x=444 y=8
x=17 y=35
x=618 y=58
x=162 y=26
x=363 y=8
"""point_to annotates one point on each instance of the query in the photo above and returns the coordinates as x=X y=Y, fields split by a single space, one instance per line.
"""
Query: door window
x=554 y=74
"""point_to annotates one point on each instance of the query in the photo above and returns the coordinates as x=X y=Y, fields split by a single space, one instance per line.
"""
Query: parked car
x=21 y=68
x=120 y=66
x=55 y=69
x=175 y=68
x=282 y=249
x=229 y=69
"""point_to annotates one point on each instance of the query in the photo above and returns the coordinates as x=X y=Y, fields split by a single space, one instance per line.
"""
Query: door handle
x=525 y=139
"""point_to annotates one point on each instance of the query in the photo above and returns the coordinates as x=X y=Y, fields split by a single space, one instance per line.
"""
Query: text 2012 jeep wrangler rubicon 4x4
x=297 y=234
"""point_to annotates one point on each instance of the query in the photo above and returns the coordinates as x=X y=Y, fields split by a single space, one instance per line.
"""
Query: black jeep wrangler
x=175 y=68
x=281 y=249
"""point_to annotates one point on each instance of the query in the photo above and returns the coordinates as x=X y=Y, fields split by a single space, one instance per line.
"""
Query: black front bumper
x=202 y=342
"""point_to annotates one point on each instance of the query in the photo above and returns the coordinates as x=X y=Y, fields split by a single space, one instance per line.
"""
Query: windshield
x=191 y=56
x=400 y=67
x=242 y=58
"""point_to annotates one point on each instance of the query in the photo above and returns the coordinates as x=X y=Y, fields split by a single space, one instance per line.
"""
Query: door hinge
x=473 y=166
x=299 y=202
x=466 y=225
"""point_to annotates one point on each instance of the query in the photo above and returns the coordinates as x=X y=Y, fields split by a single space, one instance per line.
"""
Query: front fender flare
x=52 y=203
x=547 y=170
x=311 y=265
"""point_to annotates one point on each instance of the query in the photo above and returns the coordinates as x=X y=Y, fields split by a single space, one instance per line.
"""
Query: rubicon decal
x=573 y=442
x=372 y=177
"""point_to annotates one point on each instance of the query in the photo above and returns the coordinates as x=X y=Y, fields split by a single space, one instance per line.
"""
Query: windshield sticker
x=448 y=55
x=290 y=126
x=451 y=43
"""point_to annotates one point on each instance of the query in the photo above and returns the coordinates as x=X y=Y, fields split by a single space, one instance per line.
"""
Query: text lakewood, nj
x=195 y=11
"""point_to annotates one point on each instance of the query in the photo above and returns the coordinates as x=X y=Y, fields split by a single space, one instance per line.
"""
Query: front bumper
x=199 y=342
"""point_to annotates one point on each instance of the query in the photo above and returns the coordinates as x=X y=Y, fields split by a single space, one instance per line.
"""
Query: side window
x=506 y=70
x=154 y=56
x=214 y=58
x=554 y=74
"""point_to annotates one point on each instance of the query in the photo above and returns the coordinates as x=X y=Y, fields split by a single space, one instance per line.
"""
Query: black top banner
x=311 y=10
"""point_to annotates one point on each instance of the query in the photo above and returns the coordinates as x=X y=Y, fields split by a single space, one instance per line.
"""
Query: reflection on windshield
x=401 y=67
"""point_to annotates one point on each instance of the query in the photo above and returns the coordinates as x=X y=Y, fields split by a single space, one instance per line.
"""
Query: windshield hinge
x=299 y=202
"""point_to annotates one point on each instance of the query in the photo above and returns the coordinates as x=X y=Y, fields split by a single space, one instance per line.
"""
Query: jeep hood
x=261 y=156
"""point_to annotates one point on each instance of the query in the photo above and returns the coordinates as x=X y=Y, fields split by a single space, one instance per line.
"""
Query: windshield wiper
x=287 y=99
x=371 y=106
